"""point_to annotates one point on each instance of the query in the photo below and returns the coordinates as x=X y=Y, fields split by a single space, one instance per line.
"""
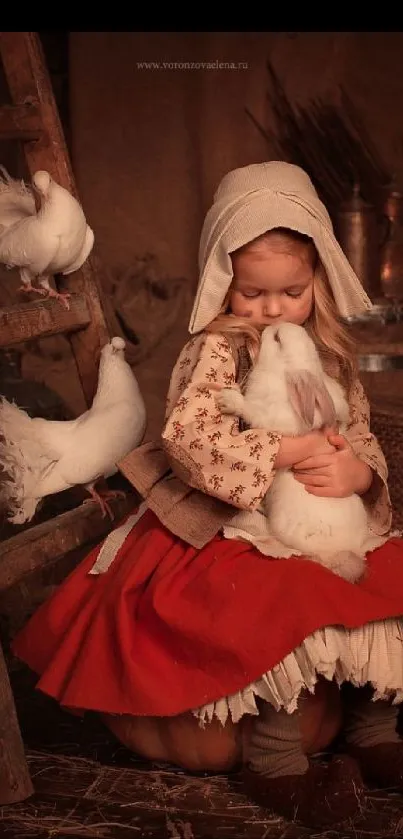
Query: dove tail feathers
x=20 y=459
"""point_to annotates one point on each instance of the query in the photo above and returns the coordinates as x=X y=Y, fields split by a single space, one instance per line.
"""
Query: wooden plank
x=28 y=80
x=15 y=781
x=38 y=318
x=51 y=540
x=20 y=122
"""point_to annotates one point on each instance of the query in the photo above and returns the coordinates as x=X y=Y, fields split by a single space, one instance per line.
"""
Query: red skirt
x=169 y=628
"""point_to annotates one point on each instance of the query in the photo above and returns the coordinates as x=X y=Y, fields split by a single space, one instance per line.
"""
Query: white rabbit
x=288 y=391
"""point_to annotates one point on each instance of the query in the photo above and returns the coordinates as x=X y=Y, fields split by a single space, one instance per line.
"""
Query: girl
x=189 y=608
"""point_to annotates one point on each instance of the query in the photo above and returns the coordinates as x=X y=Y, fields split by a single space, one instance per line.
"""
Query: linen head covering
x=256 y=198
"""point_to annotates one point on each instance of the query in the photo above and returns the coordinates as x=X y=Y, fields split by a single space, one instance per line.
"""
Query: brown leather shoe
x=324 y=795
x=381 y=765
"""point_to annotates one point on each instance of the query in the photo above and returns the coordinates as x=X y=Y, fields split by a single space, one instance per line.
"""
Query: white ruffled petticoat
x=371 y=653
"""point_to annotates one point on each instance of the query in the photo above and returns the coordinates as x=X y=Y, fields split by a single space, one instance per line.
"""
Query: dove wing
x=28 y=244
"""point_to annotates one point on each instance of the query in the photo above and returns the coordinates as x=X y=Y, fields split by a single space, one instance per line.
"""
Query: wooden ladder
x=32 y=119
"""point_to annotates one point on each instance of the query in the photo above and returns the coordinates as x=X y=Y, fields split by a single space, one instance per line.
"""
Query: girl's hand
x=294 y=450
x=335 y=475
x=319 y=442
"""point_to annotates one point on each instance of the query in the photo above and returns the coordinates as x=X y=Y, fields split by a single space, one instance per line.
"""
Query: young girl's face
x=273 y=281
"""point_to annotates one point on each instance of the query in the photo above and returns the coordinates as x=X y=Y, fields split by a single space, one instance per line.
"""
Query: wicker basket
x=387 y=425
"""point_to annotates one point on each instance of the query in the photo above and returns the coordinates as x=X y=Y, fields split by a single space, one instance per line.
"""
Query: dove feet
x=28 y=287
x=47 y=292
x=102 y=498
x=63 y=296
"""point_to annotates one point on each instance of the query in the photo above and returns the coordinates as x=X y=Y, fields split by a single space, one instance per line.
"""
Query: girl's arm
x=205 y=447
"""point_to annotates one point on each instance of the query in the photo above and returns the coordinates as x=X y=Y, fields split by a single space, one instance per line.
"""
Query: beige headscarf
x=251 y=200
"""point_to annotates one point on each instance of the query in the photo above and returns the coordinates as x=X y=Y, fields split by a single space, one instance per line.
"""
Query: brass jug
x=359 y=235
x=392 y=250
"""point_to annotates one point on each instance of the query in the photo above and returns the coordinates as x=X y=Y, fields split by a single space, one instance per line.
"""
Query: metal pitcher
x=359 y=235
x=392 y=250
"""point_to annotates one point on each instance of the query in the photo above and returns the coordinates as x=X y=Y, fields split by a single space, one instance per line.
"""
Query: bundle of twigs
x=330 y=142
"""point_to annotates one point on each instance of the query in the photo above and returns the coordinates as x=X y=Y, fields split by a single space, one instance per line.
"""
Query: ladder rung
x=20 y=122
x=24 y=321
x=47 y=542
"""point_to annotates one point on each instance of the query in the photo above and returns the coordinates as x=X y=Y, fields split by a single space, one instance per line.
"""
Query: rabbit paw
x=230 y=401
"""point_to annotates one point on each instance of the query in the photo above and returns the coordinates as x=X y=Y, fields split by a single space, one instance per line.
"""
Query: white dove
x=42 y=457
x=54 y=239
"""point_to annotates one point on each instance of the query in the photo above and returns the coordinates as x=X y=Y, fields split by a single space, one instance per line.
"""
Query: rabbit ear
x=306 y=392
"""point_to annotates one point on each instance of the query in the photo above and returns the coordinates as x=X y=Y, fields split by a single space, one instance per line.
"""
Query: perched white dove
x=54 y=239
x=42 y=457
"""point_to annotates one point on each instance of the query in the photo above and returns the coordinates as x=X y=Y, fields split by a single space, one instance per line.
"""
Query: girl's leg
x=279 y=776
x=371 y=737
x=275 y=744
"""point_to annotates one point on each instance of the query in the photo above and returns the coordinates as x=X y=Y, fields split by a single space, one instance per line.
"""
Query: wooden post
x=15 y=781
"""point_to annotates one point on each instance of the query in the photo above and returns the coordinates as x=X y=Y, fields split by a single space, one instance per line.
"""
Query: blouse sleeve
x=367 y=448
x=205 y=448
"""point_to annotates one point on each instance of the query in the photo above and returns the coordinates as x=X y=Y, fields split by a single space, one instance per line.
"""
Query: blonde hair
x=335 y=345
